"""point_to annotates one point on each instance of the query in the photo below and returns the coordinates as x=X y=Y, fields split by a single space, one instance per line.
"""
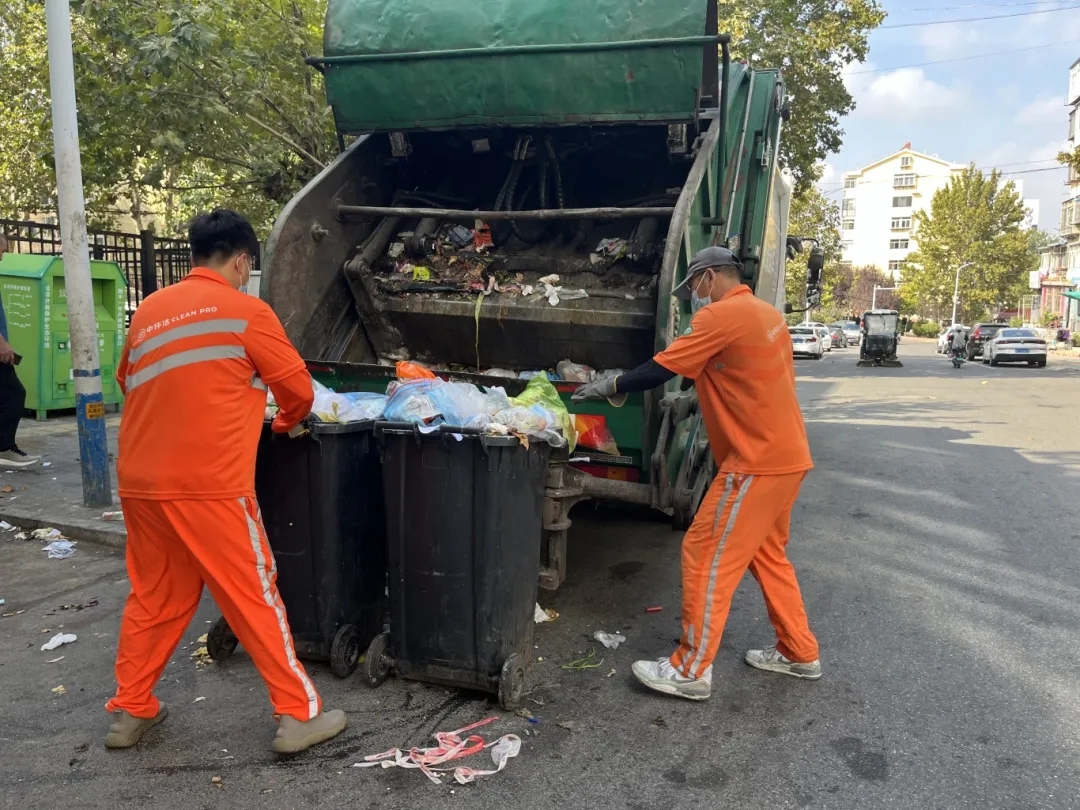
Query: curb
x=72 y=528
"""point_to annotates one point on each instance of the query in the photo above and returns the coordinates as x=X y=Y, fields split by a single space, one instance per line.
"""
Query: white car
x=805 y=342
x=824 y=335
x=852 y=331
x=945 y=337
x=1015 y=346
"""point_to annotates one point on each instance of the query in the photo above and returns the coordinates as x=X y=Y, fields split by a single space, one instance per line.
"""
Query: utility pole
x=956 y=290
x=82 y=321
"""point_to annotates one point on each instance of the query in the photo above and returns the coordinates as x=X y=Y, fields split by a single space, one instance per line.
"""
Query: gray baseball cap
x=704 y=259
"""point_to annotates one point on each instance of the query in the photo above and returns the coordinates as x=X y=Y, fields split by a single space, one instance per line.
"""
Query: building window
x=901 y=202
x=849 y=182
x=905 y=163
x=903 y=181
x=898 y=244
x=895 y=265
x=901 y=223
x=849 y=208
x=849 y=224
x=845 y=246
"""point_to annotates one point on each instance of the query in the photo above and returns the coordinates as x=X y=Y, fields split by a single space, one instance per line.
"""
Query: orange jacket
x=738 y=352
x=198 y=360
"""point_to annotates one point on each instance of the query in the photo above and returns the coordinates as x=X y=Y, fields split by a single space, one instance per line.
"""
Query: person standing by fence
x=12 y=394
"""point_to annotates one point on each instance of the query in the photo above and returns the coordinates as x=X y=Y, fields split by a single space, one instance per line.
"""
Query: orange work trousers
x=743 y=522
x=173 y=549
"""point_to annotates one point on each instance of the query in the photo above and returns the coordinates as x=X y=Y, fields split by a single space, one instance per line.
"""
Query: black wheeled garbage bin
x=463 y=524
x=322 y=506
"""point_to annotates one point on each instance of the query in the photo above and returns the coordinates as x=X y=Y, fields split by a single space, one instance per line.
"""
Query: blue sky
x=1006 y=111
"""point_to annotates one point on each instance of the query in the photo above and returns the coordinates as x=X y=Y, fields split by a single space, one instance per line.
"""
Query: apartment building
x=880 y=202
x=1070 y=209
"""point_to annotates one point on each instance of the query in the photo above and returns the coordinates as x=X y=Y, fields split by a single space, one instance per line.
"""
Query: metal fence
x=147 y=261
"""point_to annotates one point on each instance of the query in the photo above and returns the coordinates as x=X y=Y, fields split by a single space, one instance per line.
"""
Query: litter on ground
x=452 y=746
x=46 y=533
x=60 y=549
x=540 y=615
x=59 y=640
x=609 y=640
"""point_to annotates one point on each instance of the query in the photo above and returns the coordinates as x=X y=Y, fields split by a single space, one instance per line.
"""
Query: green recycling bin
x=35 y=302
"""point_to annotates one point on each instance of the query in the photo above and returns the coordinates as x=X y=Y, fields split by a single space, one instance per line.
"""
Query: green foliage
x=810 y=41
x=181 y=105
x=1016 y=322
x=975 y=218
x=926 y=329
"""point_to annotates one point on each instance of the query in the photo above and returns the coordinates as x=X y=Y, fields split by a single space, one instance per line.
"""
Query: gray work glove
x=598 y=389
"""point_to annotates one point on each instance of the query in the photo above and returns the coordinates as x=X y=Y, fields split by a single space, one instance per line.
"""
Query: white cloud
x=948 y=41
x=1048 y=151
x=905 y=94
x=1043 y=109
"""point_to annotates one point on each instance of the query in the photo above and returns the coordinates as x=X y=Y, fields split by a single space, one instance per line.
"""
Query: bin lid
x=36 y=265
x=330 y=428
x=412 y=429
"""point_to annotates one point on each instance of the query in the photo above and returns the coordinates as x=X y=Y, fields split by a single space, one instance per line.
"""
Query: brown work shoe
x=126 y=729
x=294 y=735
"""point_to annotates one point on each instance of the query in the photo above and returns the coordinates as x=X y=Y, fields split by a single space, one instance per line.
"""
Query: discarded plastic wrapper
x=541 y=391
x=47 y=533
x=395 y=250
x=60 y=549
x=408 y=370
x=459 y=236
x=574 y=372
x=609 y=640
x=5 y=526
x=593 y=433
x=500 y=372
x=540 y=615
x=112 y=515
x=411 y=402
x=59 y=640
x=451 y=747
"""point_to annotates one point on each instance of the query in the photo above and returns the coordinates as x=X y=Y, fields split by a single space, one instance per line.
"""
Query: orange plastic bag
x=593 y=433
x=407 y=370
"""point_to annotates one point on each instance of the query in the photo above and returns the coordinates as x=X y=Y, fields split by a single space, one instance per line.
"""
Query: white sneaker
x=17 y=458
x=663 y=677
x=771 y=660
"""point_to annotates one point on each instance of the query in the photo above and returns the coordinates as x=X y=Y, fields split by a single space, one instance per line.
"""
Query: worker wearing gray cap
x=738 y=353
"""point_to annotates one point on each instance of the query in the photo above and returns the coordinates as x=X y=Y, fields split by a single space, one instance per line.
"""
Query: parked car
x=946 y=336
x=837 y=336
x=851 y=330
x=1015 y=346
x=805 y=342
x=980 y=336
x=823 y=335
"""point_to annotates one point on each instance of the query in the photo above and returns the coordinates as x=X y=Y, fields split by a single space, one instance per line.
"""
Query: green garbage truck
x=523 y=185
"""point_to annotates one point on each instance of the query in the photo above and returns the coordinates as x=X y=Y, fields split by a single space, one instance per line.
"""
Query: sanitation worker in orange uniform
x=199 y=358
x=738 y=352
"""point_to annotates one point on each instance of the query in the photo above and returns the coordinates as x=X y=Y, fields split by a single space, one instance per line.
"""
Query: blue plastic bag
x=411 y=401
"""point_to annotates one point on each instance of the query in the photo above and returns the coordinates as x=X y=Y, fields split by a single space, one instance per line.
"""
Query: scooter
x=959 y=357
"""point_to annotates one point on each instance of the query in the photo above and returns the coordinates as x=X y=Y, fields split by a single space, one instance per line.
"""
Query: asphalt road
x=937 y=545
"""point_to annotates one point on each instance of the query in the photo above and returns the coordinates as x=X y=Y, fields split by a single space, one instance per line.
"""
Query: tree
x=180 y=104
x=810 y=41
x=978 y=219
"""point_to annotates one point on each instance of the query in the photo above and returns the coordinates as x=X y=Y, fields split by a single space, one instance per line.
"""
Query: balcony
x=906 y=180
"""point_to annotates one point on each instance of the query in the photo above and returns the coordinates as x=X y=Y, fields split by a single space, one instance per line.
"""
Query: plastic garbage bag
x=533 y=420
x=363 y=406
x=328 y=406
x=593 y=433
x=411 y=402
x=500 y=372
x=407 y=370
x=574 y=372
x=540 y=391
x=609 y=640
x=465 y=405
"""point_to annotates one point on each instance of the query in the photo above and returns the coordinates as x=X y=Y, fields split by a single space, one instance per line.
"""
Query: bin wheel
x=511 y=683
x=345 y=651
x=221 y=641
x=377 y=661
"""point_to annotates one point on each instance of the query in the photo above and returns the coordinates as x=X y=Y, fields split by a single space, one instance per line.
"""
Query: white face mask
x=697 y=302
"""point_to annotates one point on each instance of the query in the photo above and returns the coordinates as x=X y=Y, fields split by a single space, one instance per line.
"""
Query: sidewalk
x=50 y=495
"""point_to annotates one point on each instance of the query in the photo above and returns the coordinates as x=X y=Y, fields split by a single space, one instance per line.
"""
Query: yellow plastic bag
x=540 y=391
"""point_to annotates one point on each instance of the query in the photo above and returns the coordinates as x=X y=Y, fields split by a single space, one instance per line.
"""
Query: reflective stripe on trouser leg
x=274 y=601
x=710 y=590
